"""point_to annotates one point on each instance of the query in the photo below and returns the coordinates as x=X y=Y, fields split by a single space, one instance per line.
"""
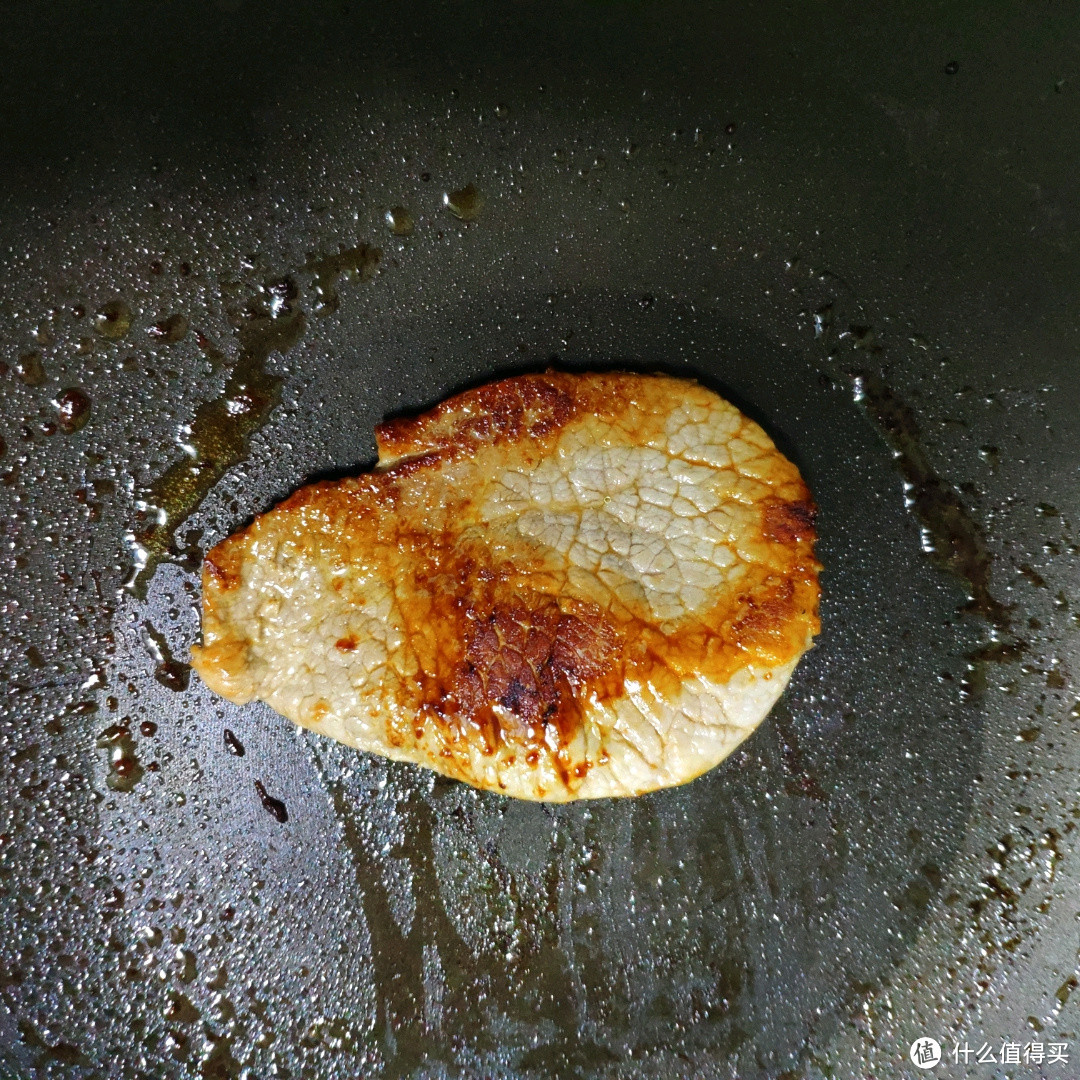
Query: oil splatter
x=30 y=369
x=949 y=535
x=218 y=1062
x=220 y=433
x=361 y=261
x=233 y=744
x=124 y=768
x=72 y=409
x=800 y=780
x=180 y=1009
x=170 y=330
x=274 y=807
x=63 y=1053
x=211 y=351
x=999 y=652
x=221 y=430
x=113 y=320
x=399 y=221
x=466 y=203
x=170 y=672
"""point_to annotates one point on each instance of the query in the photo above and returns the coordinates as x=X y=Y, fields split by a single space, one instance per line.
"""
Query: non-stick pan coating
x=861 y=229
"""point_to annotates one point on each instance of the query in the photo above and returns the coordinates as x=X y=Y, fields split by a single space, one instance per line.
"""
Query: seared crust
x=555 y=586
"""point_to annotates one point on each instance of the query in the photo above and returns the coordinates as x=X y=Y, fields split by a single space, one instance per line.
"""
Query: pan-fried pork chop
x=555 y=586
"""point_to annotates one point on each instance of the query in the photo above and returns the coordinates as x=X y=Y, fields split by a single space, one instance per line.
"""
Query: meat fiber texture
x=555 y=587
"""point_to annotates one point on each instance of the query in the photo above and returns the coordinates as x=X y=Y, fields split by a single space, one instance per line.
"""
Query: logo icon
x=925 y=1052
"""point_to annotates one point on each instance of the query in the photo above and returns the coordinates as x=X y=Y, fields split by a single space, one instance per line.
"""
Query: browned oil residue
x=398 y=956
x=221 y=429
x=361 y=261
x=170 y=672
x=800 y=780
x=233 y=744
x=272 y=806
x=952 y=539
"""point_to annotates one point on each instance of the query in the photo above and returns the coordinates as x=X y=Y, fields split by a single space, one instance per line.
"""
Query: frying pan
x=861 y=229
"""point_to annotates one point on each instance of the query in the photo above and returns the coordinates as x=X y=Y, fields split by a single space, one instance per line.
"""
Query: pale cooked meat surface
x=556 y=586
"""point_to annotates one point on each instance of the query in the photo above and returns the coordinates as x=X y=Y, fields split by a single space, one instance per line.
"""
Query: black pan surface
x=861 y=229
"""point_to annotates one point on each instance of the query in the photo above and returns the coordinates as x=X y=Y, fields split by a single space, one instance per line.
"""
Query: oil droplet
x=185 y=959
x=861 y=337
x=113 y=320
x=361 y=261
x=72 y=409
x=272 y=806
x=180 y=1010
x=218 y=1062
x=148 y=728
x=177 y=1044
x=502 y=111
x=1032 y=575
x=233 y=744
x=466 y=203
x=151 y=935
x=952 y=67
x=124 y=768
x=30 y=369
x=400 y=221
x=170 y=330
